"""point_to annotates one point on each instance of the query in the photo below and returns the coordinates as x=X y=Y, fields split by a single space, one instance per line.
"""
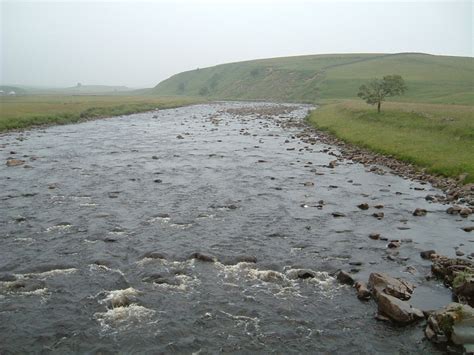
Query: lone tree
x=377 y=90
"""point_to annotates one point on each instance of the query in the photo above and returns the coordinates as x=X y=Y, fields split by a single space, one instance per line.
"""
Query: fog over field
x=139 y=44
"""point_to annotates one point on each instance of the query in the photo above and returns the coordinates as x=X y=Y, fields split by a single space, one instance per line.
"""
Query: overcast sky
x=138 y=44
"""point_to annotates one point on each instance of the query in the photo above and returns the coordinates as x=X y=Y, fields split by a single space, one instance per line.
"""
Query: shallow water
x=77 y=228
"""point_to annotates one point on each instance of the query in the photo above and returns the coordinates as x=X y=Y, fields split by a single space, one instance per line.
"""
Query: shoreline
x=455 y=192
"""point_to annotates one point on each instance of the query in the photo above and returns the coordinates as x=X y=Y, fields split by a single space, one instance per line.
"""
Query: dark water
x=76 y=226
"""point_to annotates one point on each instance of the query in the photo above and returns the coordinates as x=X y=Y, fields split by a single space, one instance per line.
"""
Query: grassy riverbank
x=437 y=137
x=25 y=111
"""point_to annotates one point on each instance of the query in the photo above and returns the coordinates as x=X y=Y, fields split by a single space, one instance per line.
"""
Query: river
x=99 y=231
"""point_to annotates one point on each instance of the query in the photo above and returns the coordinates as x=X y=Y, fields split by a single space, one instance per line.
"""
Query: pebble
x=419 y=212
x=374 y=236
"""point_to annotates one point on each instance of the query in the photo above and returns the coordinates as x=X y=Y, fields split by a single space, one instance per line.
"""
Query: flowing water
x=98 y=232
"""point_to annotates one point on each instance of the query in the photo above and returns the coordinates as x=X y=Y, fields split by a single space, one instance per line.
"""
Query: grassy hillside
x=435 y=79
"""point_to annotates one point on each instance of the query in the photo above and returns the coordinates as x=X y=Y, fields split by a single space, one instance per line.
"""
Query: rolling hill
x=430 y=78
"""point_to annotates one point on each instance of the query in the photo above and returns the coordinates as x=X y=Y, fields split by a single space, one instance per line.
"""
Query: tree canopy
x=377 y=90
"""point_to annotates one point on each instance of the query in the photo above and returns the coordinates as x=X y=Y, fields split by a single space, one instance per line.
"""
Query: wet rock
x=379 y=207
x=202 y=257
x=427 y=254
x=363 y=292
x=363 y=206
x=158 y=181
x=397 y=310
x=454 y=210
x=301 y=274
x=14 y=162
x=465 y=212
x=344 y=277
x=394 y=244
x=378 y=215
x=332 y=164
x=453 y=323
x=154 y=157
x=179 y=136
x=468 y=229
x=459 y=253
x=384 y=283
x=391 y=295
x=457 y=274
x=419 y=212
x=309 y=183
x=374 y=236
x=338 y=214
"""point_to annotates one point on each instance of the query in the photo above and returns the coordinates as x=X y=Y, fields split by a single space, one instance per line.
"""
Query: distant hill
x=95 y=89
x=430 y=78
x=75 y=90
x=7 y=89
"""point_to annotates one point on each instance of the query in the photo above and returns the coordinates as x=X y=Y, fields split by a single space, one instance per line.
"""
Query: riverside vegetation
x=431 y=125
x=25 y=111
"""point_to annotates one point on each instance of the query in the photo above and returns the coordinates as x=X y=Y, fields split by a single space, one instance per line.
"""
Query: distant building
x=12 y=93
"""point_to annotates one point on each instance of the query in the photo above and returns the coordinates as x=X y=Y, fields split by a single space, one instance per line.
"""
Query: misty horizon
x=140 y=44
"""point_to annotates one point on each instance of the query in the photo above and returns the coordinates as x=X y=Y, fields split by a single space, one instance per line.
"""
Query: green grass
x=439 y=138
x=430 y=78
x=25 y=111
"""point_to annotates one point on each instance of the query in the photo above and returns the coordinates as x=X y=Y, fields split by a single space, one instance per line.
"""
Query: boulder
x=465 y=212
x=397 y=310
x=345 y=278
x=363 y=206
x=384 y=283
x=427 y=254
x=457 y=274
x=202 y=257
x=453 y=323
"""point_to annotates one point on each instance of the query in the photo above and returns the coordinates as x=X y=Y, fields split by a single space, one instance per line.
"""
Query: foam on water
x=123 y=318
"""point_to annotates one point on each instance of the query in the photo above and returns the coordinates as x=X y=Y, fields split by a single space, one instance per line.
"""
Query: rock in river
x=454 y=323
x=419 y=212
x=363 y=292
x=15 y=162
x=390 y=294
x=427 y=254
x=345 y=278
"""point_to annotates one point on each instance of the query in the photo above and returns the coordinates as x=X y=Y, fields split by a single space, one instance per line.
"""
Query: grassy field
x=430 y=78
x=437 y=137
x=25 y=111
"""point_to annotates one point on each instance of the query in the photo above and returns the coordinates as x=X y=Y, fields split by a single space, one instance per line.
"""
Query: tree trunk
x=378 y=106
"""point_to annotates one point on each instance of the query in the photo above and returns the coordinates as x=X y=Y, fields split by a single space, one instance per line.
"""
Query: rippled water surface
x=99 y=229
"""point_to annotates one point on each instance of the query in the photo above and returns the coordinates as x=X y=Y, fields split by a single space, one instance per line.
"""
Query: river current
x=185 y=230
